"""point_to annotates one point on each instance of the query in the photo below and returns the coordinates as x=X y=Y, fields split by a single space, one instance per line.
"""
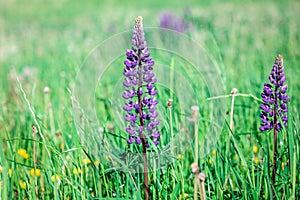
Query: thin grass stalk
x=169 y=105
x=233 y=93
x=292 y=148
x=293 y=169
x=253 y=172
x=231 y=123
x=5 y=186
x=46 y=103
x=201 y=179
x=195 y=170
x=182 y=178
x=62 y=95
x=131 y=177
x=172 y=65
x=51 y=119
x=99 y=183
x=36 y=123
x=34 y=161
x=196 y=158
x=154 y=179
x=105 y=182
x=194 y=118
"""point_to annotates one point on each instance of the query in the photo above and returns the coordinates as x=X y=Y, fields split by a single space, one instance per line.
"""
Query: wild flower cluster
x=23 y=153
x=140 y=90
x=275 y=99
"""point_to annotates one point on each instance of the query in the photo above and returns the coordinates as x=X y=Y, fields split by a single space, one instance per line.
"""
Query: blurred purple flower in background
x=170 y=21
x=140 y=91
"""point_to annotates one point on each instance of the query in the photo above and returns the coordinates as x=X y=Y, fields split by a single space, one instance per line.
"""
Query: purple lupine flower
x=170 y=21
x=140 y=90
x=274 y=99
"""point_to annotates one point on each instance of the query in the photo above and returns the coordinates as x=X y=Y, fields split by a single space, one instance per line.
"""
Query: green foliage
x=43 y=43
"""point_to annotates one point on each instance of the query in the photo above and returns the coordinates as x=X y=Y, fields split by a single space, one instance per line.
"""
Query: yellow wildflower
x=180 y=157
x=97 y=163
x=22 y=184
x=210 y=161
x=37 y=172
x=0 y=169
x=86 y=161
x=55 y=178
x=23 y=153
x=256 y=160
x=214 y=152
x=77 y=171
x=255 y=149
x=183 y=196
x=282 y=165
x=9 y=172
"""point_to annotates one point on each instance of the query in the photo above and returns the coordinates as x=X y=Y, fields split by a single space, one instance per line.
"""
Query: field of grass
x=46 y=45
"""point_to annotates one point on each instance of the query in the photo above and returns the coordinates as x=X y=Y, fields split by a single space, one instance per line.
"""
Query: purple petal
x=262 y=128
x=129 y=141
x=156 y=134
x=127 y=107
x=130 y=130
x=138 y=140
x=284 y=88
x=127 y=82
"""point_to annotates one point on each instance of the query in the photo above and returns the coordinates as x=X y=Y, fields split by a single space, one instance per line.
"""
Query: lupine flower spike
x=275 y=99
x=274 y=108
x=140 y=95
x=140 y=91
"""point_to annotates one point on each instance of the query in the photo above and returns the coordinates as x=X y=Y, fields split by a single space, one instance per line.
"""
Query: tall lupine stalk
x=274 y=107
x=140 y=96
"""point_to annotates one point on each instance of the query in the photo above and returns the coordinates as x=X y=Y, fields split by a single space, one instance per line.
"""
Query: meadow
x=51 y=150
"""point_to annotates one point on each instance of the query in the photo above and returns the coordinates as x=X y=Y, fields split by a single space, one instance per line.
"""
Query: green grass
x=44 y=43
